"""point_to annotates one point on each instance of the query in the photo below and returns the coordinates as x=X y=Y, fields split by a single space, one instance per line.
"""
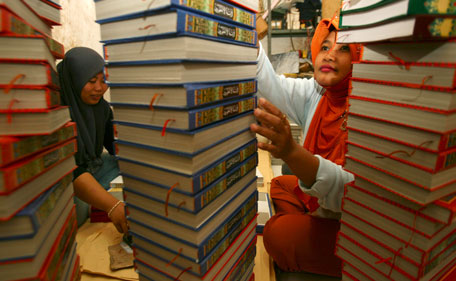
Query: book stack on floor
x=182 y=77
x=37 y=144
x=398 y=220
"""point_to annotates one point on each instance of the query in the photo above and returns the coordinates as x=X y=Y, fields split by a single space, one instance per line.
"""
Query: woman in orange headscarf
x=301 y=235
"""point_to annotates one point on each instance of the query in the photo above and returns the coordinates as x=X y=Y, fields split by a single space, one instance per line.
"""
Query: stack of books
x=37 y=144
x=398 y=220
x=182 y=78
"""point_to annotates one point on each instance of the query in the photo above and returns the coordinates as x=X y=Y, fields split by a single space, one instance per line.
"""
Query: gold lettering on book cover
x=48 y=206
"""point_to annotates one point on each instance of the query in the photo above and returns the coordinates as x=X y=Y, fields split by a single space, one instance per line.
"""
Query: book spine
x=222 y=9
x=12 y=24
x=48 y=205
x=215 y=114
x=219 y=93
x=198 y=25
x=226 y=165
x=76 y=273
x=243 y=264
x=223 y=185
x=431 y=7
x=28 y=171
x=448 y=141
x=236 y=224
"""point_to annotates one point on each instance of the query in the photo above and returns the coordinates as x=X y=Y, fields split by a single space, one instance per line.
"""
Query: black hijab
x=78 y=66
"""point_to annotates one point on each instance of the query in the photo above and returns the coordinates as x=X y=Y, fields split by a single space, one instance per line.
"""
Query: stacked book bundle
x=37 y=144
x=398 y=220
x=182 y=79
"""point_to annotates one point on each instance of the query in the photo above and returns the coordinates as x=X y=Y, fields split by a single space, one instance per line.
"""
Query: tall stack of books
x=182 y=79
x=37 y=144
x=398 y=220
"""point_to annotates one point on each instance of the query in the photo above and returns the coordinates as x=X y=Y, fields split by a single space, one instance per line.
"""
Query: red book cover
x=13 y=25
x=15 y=148
x=16 y=175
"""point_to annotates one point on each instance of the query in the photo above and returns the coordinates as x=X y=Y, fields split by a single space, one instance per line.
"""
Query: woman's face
x=333 y=62
x=94 y=90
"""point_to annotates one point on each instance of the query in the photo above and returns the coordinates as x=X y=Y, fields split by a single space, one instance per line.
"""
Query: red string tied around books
x=167 y=197
x=182 y=272
x=401 y=61
x=175 y=258
x=9 y=115
x=409 y=154
x=166 y=125
x=12 y=82
x=152 y=101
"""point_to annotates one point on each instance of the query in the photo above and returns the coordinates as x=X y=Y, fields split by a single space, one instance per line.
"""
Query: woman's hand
x=118 y=218
x=275 y=127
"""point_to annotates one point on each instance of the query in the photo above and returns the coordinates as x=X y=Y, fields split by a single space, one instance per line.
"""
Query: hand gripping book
x=389 y=10
x=19 y=173
x=205 y=240
x=188 y=183
x=12 y=25
x=33 y=122
x=182 y=96
x=196 y=268
x=156 y=268
x=13 y=202
x=30 y=220
x=176 y=22
x=116 y=10
x=15 y=148
x=27 y=248
x=47 y=10
x=185 y=201
x=178 y=48
x=22 y=10
x=178 y=118
x=45 y=263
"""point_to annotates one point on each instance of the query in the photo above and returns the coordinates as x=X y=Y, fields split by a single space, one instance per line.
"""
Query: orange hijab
x=325 y=135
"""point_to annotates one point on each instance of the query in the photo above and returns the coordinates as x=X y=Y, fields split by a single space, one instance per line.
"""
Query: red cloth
x=296 y=240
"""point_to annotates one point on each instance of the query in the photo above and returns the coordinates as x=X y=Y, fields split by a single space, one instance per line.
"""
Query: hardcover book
x=420 y=156
x=178 y=48
x=27 y=248
x=388 y=10
x=193 y=220
x=23 y=98
x=188 y=183
x=264 y=211
x=30 y=220
x=26 y=47
x=115 y=10
x=15 y=148
x=19 y=173
x=200 y=268
x=184 y=163
x=12 y=25
x=43 y=265
x=435 y=141
x=27 y=72
x=23 y=11
x=153 y=267
x=176 y=22
x=185 y=201
x=251 y=5
x=182 y=119
x=14 y=201
x=190 y=142
x=177 y=72
x=224 y=232
x=404 y=29
x=438 y=52
x=36 y=122
x=415 y=192
x=47 y=10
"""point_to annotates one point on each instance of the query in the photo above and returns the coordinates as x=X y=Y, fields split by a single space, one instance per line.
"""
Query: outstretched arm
x=87 y=188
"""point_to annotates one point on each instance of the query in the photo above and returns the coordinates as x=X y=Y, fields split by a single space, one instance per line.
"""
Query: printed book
x=47 y=10
x=15 y=148
x=178 y=118
x=22 y=10
x=12 y=25
x=189 y=202
x=24 y=98
x=184 y=163
x=264 y=211
x=182 y=96
x=27 y=72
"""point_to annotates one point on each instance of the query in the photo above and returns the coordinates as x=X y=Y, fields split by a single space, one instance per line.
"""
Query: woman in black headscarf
x=82 y=88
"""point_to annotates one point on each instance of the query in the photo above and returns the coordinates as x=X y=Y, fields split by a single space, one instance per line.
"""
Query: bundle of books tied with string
x=37 y=144
x=398 y=220
x=182 y=79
